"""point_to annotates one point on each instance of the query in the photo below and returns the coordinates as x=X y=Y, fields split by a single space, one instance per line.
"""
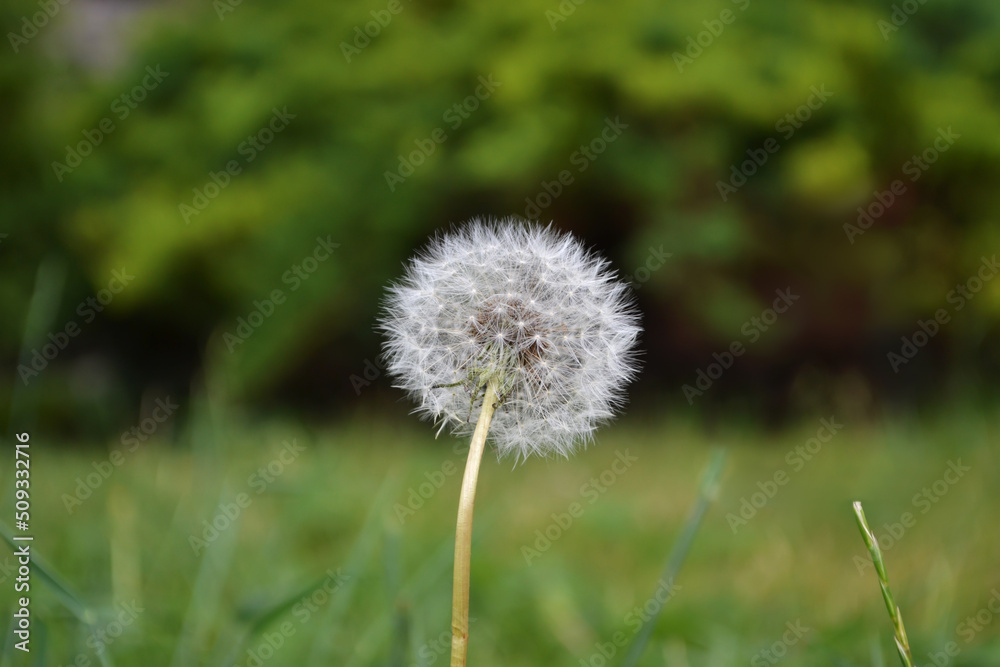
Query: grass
x=319 y=569
x=899 y=630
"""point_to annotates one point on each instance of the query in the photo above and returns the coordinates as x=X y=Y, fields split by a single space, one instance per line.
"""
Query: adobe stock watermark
x=130 y=440
x=60 y=340
x=796 y=459
x=258 y=481
x=223 y=7
x=371 y=371
x=453 y=117
x=121 y=107
x=31 y=25
x=928 y=329
x=563 y=11
x=430 y=651
x=924 y=500
x=100 y=639
x=591 y=491
x=581 y=158
x=302 y=612
x=363 y=35
x=913 y=168
x=786 y=127
x=774 y=653
x=249 y=148
x=654 y=262
x=635 y=618
x=264 y=309
x=968 y=629
x=696 y=44
x=752 y=329
x=901 y=13
x=417 y=496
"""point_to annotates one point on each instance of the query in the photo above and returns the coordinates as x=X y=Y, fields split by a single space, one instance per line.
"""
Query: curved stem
x=463 y=532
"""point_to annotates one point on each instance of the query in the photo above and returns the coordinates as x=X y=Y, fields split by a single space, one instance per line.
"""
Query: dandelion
x=512 y=333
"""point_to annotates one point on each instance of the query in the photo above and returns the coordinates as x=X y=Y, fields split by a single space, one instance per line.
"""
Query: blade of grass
x=878 y=660
x=393 y=575
x=210 y=436
x=41 y=644
x=264 y=619
x=902 y=643
x=206 y=594
x=361 y=553
x=50 y=280
x=417 y=635
x=430 y=573
x=63 y=591
x=8 y=646
x=706 y=494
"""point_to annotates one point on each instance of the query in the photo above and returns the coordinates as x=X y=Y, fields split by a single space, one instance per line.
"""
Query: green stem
x=463 y=532
x=902 y=643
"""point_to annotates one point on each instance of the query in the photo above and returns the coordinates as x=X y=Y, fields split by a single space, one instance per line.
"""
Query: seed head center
x=509 y=331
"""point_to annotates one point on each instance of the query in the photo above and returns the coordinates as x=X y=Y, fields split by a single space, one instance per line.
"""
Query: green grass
x=899 y=630
x=332 y=509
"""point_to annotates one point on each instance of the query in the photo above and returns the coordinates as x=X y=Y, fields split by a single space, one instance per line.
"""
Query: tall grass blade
x=902 y=643
x=361 y=554
x=706 y=494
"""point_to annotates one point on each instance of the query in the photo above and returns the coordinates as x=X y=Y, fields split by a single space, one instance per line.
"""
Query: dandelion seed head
x=526 y=307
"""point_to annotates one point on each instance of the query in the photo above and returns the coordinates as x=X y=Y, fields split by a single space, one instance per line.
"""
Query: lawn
x=334 y=547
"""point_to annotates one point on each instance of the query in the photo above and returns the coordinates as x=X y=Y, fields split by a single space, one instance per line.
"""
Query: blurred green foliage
x=561 y=73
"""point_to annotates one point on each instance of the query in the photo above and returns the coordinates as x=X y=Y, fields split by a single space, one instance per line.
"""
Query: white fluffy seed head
x=526 y=307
